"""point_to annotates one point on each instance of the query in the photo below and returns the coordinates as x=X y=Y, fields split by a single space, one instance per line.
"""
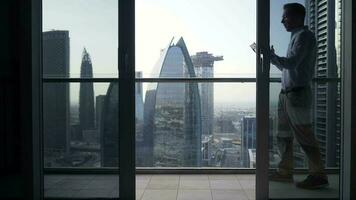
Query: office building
x=321 y=21
x=204 y=68
x=56 y=130
x=86 y=94
x=173 y=113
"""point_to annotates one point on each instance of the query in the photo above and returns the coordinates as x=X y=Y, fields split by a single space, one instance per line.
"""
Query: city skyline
x=228 y=32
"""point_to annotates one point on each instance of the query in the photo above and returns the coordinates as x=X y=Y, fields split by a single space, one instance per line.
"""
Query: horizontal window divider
x=157 y=80
x=171 y=170
x=238 y=80
x=79 y=80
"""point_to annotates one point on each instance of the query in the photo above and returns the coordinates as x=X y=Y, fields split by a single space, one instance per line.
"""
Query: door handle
x=264 y=59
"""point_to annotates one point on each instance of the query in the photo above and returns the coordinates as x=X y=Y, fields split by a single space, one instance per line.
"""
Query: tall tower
x=140 y=150
x=86 y=95
x=204 y=68
x=172 y=120
x=56 y=95
x=248 y=138
x=321 y=20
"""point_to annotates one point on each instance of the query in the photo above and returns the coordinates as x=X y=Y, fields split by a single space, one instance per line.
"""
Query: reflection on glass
x=306 y=137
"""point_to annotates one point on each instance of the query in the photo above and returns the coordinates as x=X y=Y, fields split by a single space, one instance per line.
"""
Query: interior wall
x=19 y=149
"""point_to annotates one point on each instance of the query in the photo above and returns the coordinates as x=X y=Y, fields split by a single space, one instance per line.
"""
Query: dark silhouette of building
x=86 y=95
x=109 y=128
x=56 y=95
x=99 y=103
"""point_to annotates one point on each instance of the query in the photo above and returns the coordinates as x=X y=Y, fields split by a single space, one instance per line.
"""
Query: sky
x=225 y=27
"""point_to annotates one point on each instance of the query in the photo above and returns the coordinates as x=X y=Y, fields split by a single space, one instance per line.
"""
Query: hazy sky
x=225 y=27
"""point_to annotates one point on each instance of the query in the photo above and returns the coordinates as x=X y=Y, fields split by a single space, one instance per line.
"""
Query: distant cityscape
x=177 y=124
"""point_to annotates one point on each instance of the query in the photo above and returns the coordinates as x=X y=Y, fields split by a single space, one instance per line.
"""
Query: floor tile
x=194 y=184
x=245 y=177
x=139 y=193
x=143 y=177
x=159 y=195
x=194 y=195
x=251 y=194
x=103 y=184
x=165 y=177
x=142 y=184
x=194 y=177
x=163 y=184
x=91 y=193
x=229 y=195
x=60 y=193
x=221 y=177
x=106 y=177
x=225 y=185
x=247 y=184
x=71 y=184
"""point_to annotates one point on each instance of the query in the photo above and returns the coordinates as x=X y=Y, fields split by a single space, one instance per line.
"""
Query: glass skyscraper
x=173 y=113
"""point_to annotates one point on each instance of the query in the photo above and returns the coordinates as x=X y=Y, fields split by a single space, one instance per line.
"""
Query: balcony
x=178 y=187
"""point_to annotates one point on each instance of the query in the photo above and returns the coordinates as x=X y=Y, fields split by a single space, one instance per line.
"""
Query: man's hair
x=295 y=9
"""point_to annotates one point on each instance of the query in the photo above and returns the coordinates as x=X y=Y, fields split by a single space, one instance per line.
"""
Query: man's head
x=293 y=16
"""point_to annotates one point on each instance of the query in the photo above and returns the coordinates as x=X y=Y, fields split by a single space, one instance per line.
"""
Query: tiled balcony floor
x=177 y=187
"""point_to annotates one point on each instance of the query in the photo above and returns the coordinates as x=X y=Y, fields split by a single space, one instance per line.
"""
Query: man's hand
x=274 y=59
x=272 y=50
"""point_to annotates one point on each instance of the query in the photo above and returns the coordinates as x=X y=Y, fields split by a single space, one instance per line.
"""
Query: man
x=295 y=99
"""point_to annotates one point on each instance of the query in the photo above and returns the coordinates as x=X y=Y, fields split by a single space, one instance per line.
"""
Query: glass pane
x=77 y=34
x=80 y=135
x=217 y=34
x=195 y=125
x=305 y=144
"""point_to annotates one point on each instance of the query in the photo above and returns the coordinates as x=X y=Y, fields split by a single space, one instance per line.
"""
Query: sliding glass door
x=175 y=105
x=300 y=131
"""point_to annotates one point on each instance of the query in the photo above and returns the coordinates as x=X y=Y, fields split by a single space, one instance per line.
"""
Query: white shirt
x=298 y=66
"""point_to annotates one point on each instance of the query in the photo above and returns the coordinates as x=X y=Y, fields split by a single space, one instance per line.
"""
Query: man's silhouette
x=295 y=101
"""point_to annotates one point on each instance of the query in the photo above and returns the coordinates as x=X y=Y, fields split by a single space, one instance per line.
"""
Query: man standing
x=295 y=101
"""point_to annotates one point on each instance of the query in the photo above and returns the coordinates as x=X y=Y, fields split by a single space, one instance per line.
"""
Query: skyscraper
x=172 y=113
x=248 y=138
x=99 y=103
x=204 y=68
x=139 y=122
x=56 y=95
x=109 y=129
x=86 y=94
x=321 y=20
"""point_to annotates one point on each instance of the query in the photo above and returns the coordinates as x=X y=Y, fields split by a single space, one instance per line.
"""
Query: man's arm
x=298 y=52
x=274 y=60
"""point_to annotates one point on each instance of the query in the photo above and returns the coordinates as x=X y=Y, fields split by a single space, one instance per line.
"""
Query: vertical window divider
x=262 y=99
x=127 y=99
